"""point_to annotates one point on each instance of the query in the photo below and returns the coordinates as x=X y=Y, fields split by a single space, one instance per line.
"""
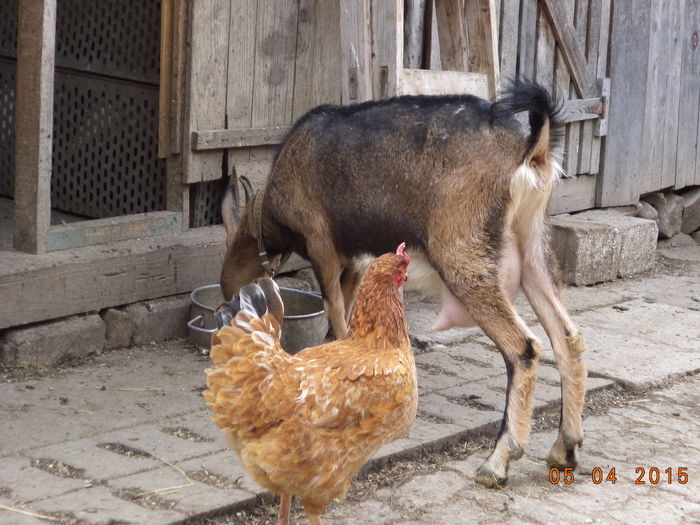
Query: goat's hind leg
x=486 y=300
x=567 y=344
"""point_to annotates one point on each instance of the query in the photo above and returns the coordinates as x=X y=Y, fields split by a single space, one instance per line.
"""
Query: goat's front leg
x=326 y=265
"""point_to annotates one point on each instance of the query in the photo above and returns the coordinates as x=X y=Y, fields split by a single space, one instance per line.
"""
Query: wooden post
x=166 y=39
x=34 y=126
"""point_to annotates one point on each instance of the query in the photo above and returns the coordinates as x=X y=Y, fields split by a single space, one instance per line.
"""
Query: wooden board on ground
x=73 y=281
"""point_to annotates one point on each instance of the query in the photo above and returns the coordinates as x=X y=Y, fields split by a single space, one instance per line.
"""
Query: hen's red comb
x=400 y=251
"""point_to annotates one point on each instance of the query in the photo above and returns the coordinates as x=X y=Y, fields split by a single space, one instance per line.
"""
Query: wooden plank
x=238 y=137
x=454 y=53
x=356 y=51
x=206 y=83
x=179 y=73
x=107 y=275
x=101 y=231
x=688 y=161
x=241 y=69
x=652 y=140
x=482 y=41
x=387 y=46
x=629 y=48
x=602 y=81
x=568 y=149
x=527 y=47
x=671 y=53
x=165 y=88
x=34 y=124
x=580 y=109
x=581 y=22
x=275 y=46
x=544 y=63
x=568 y=42
x=508 y=35
x=317 y=75
x=414 y=33
x=427 y=82
x=573 y=194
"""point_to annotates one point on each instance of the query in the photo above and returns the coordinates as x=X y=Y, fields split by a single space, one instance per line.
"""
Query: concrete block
x=616 y=211
x=679 y=240
x=670 y=209
x=691 y=211
x=48 y=343
x=119 y=328
x=160 y=319
x=588 y=251
x=637 y=244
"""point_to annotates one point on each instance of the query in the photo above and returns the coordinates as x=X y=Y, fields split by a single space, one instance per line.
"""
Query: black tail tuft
x=257 y=298
x=526 y=95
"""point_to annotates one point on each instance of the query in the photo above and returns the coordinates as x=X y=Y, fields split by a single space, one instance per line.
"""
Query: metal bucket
x=304 y=325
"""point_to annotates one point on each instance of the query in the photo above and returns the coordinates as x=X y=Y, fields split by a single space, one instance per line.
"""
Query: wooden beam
x=582 y=109
x=482 y=37
x=111 y=274
x=356 y=50
x=434 y=82
x=101 y=231
x=34 y=123
x=238 y=138
x=454 y=53
x=569 y=44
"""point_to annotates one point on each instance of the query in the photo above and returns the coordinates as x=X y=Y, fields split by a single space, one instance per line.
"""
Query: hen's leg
x=285 y=504
x=543 y=293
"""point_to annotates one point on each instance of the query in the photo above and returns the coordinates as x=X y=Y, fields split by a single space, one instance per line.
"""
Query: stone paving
x=127 y=439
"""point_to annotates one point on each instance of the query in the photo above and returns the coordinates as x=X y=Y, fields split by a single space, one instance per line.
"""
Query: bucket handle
x=191 y=324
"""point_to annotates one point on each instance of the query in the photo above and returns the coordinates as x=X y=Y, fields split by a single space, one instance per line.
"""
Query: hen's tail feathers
x=542 y=107
x=249 y=322
x=256 y=298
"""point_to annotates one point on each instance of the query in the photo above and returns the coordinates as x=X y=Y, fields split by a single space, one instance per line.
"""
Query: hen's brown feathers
x=306 y=423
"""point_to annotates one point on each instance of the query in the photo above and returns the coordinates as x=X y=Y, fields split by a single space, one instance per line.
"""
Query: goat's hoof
x=562 y=455
x=490 y=477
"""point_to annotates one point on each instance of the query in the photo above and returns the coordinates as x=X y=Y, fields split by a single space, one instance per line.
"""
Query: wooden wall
x=655 y=99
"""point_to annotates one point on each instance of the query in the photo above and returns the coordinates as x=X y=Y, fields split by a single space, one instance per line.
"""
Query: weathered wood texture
x=654 y=111
x=34 y=124
x=58 y=284
x=101 y=231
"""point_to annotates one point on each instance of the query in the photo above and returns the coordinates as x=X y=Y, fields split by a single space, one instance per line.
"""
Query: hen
x=305 y=424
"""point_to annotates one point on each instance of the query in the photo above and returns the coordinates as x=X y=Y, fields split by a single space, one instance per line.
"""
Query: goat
x=456 y=178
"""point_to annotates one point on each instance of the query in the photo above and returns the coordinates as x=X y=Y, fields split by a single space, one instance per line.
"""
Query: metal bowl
x=304 y=324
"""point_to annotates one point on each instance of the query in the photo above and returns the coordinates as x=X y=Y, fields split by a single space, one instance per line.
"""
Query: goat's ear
x=539 y=153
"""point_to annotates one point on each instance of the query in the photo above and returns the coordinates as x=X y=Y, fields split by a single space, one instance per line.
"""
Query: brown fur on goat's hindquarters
x=455 y=178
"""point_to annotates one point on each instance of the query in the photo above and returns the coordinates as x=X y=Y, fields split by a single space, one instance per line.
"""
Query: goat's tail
x=543 y=111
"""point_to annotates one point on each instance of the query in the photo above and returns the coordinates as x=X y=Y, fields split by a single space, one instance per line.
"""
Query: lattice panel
x=8 y=28
x=105 y=147
x=7 y=127
x=120 y=38
x=205 y=199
